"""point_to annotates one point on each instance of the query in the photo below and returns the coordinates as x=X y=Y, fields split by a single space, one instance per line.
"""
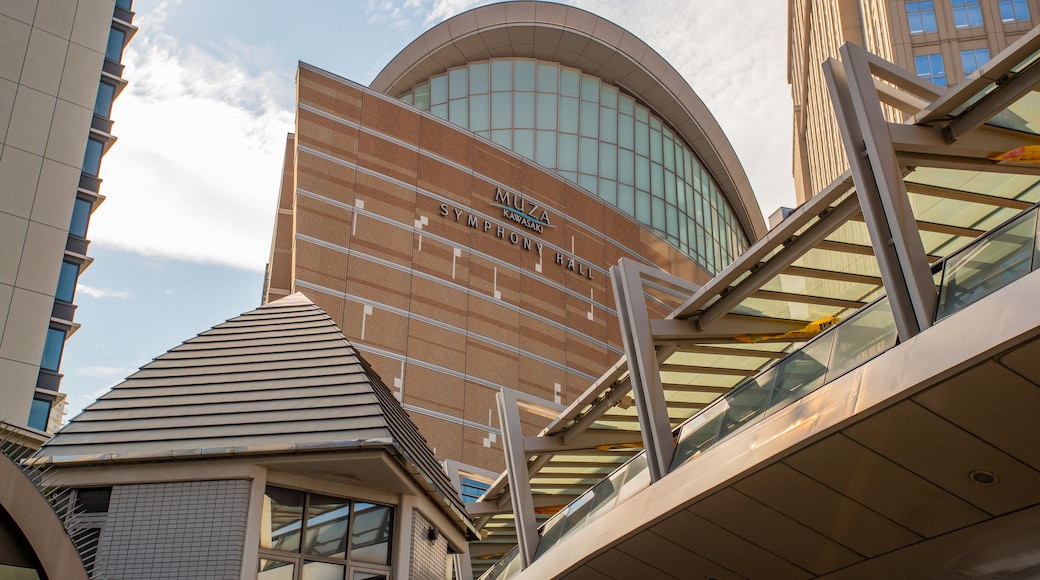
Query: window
x=921 y=16
x=972 y=59
x=1013 y=10
x=930 y=66
x=52 y=347
x=321 y=536
x=80 y=217
x=116 y=40
x=39 y=413
x=103 y=104
x=966 y=13
x=92 y=157
x=67 y=281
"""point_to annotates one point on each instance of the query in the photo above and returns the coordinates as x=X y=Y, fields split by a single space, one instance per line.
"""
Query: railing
x=991 y=262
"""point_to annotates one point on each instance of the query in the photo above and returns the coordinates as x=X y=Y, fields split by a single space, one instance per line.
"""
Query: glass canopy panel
x=1023 y=115
x=788 y=310
x=806 y=286
x=834 y=261
x=1005 y=185
x=719 y=361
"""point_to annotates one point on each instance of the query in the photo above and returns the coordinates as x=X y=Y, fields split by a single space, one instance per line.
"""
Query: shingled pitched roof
x=281 y=378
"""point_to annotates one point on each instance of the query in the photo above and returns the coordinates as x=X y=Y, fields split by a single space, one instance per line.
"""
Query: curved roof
x=576 y=38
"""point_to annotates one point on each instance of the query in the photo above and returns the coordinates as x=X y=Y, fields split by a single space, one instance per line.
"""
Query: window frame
x=966 y=9
x=299 y=557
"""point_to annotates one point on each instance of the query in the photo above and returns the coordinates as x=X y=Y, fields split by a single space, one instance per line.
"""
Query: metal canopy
x=818 y=265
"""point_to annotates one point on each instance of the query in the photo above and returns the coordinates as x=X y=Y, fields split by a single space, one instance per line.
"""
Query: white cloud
x=195 y=172
x=101 y=292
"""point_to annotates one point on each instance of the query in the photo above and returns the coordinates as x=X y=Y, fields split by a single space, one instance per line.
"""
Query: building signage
x=520 y=210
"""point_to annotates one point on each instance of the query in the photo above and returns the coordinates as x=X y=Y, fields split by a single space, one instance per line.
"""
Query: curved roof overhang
x=579 y=39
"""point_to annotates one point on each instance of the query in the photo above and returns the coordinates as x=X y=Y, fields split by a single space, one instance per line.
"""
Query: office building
x=265 y=447
x=458 y=217
x=59 y=73
x=942 y=41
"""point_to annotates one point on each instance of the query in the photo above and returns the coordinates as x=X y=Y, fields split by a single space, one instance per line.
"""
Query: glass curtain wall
x=597 y=137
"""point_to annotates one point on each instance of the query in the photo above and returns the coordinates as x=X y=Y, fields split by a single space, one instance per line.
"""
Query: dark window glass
x=92 y=157
x=93 y=500
x=80 y=217
x=67 y=281
x=39 y=413
x=327 y=521
x=116 y=40
x=103 y=104
x=125 y=4
x=52 y=348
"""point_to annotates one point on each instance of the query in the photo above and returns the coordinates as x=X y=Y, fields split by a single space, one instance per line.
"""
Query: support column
x=883 y=199
x=516 y=471
x=642 y=367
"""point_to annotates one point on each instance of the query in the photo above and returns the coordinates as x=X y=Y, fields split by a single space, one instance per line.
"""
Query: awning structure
x=919 y=190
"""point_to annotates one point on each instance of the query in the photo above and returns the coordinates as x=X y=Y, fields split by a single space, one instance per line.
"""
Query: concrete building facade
x=458 y=218
x=942 y=41
x=59 y=73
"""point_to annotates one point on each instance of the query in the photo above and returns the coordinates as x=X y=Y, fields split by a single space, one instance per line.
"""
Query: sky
x=181 y=242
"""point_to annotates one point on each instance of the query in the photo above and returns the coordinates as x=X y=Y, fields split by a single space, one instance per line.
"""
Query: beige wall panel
x=386 y=198
x=377 y=283
x=387 y=157
x=328 y=95
x=325 y=178
x=44 y=61
x=19 y=174
x=8 y=89
x=93 y=23
x=390 y=118
x=435 y=345
x=41 y=259
x=12 y=240
x=444 y=141
x=12 y=389
x=14 y=41
x=31 y=121
x=56 y=17
x=320 y=265
x=54 y=196
x=26 y=327
x=68 y=135
x=326 y=136
x=324 y=221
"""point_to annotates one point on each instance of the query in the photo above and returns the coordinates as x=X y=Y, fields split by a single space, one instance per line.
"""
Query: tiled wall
x=174 y=530
x=429 y=557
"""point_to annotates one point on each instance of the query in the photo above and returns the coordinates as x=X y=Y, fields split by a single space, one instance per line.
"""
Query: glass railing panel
x=699 y=434
x=802 y=372
x=747 y=404
x=871 y=332
x=988 y=265
x=507 y=567
x=636 y=478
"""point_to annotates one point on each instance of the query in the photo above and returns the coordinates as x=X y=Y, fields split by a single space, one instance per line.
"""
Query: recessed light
x=983 y=477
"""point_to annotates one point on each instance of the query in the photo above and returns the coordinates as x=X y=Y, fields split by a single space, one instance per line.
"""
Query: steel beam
x=882 y=195
x=651 y=406
x=519 y=479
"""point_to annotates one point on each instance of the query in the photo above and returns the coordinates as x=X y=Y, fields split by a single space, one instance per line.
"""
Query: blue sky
x=181 y=242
